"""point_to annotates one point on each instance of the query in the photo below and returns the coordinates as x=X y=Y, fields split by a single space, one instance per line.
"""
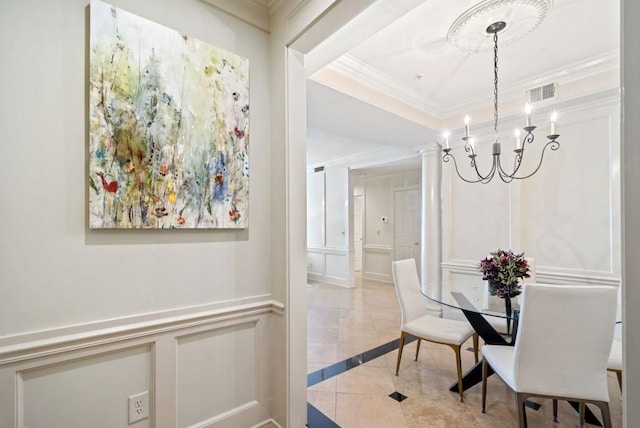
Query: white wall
x=72 y=298
x=378 y=235
x=328 y=225
x=567 y=216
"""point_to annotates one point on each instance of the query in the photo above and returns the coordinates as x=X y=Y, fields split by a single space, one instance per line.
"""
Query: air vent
x=318 y=169
x=542 y=93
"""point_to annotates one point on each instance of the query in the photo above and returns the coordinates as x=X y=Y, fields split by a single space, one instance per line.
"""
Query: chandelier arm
x=448 y=156
x=504 y=176
x=484 y=179
x=469 y=149
x=553 y=145
x=517 y=161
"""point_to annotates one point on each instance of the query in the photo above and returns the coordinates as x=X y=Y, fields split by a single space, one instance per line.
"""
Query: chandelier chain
x=495 y=86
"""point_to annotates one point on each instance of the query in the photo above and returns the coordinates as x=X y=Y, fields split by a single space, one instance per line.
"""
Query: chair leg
x=522 y=415
x=418 y=348
x=555 y=410
x=456 y=349
x=606 y=414
x=475 y=346
x=485 y=371
x=400 y=346
x=619 y=375
x=583 y=407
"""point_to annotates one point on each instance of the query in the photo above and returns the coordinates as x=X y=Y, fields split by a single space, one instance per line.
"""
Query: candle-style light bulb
x=518 y=141
x=553 y=119
x=527 y=113
x=445 y=135
x=467 y=119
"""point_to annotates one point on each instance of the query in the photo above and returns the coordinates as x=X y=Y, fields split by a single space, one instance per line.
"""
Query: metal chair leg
x=456 y=349
x=400 y=346
x=475 y=346
x=485 y=372
x=522 y=415
x=418 y=349
x=555 y=410
x=606 y=414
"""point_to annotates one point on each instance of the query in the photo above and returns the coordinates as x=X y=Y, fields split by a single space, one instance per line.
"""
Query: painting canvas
x=169 y=127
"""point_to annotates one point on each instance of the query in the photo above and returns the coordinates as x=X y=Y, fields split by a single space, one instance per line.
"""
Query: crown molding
x=563 y=75
x=370 y=158
x=371 y=77
x=254 y=12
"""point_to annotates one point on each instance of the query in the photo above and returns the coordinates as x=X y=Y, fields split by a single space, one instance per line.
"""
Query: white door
x=357 y=232
x=407 y=210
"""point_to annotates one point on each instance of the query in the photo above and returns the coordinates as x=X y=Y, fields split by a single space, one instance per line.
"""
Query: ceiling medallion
x=468 y=32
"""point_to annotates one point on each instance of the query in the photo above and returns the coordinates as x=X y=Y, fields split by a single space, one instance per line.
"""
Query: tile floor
x=343 y=323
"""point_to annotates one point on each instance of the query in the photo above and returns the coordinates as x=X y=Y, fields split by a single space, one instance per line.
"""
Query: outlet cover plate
x=138 y=407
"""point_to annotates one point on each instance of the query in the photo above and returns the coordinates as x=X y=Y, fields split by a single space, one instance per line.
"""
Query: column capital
x=430 y=149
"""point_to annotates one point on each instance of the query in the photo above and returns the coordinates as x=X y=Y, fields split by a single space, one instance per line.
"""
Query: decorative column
x=431 y=249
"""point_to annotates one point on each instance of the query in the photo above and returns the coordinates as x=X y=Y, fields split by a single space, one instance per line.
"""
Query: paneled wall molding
x=378 y=248
x=329 y=265
x=543 y=275
x=56 y=341
x=329 y=250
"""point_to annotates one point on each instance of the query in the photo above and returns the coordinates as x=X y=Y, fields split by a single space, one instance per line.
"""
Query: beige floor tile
x=322 y=353
x=366 y=380
x=329 y=385
x=323 y=401
x=358 y=335
x=368 y=411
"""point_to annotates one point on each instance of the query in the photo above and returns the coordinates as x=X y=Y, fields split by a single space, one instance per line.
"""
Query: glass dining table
x=470 y=299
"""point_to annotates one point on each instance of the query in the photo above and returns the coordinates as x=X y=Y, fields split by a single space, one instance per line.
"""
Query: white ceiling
x=373 y=95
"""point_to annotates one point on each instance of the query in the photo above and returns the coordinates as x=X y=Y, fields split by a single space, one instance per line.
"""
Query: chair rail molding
x=544 y=274
x=156 y=351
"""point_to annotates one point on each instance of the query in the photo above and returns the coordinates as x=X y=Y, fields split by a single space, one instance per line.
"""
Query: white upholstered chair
x=562 y=346
x=416 y=322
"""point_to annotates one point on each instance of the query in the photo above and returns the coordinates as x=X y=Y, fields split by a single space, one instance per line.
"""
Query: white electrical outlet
x=138 y=407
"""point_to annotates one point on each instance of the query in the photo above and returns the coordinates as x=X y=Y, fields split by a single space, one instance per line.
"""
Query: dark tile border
x=317 y=419
x=355 y=361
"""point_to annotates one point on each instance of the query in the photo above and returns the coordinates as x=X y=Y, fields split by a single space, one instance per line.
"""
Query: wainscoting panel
x=206 y=361
x=75 y=393
x=330 y=265
x=201 y=368
x=376 y=263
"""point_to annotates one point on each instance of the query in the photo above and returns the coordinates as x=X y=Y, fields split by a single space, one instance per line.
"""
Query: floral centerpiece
x=503 y=271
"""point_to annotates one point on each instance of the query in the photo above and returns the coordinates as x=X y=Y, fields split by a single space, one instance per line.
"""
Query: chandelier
x=497 y=167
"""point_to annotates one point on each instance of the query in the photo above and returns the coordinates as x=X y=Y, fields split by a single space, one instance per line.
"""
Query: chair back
x=407 y=285
x=563 y=341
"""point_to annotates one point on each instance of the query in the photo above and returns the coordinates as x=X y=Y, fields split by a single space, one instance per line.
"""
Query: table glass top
x=470 y=295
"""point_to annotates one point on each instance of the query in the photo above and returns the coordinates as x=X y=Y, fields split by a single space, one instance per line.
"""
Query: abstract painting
x=168 y=127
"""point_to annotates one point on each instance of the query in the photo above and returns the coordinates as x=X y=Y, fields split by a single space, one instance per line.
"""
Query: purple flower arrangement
x=503 y=271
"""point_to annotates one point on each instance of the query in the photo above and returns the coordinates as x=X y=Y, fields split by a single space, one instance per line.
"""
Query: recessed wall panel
x=570 y=224
x=216 y=373
x=90 y=392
